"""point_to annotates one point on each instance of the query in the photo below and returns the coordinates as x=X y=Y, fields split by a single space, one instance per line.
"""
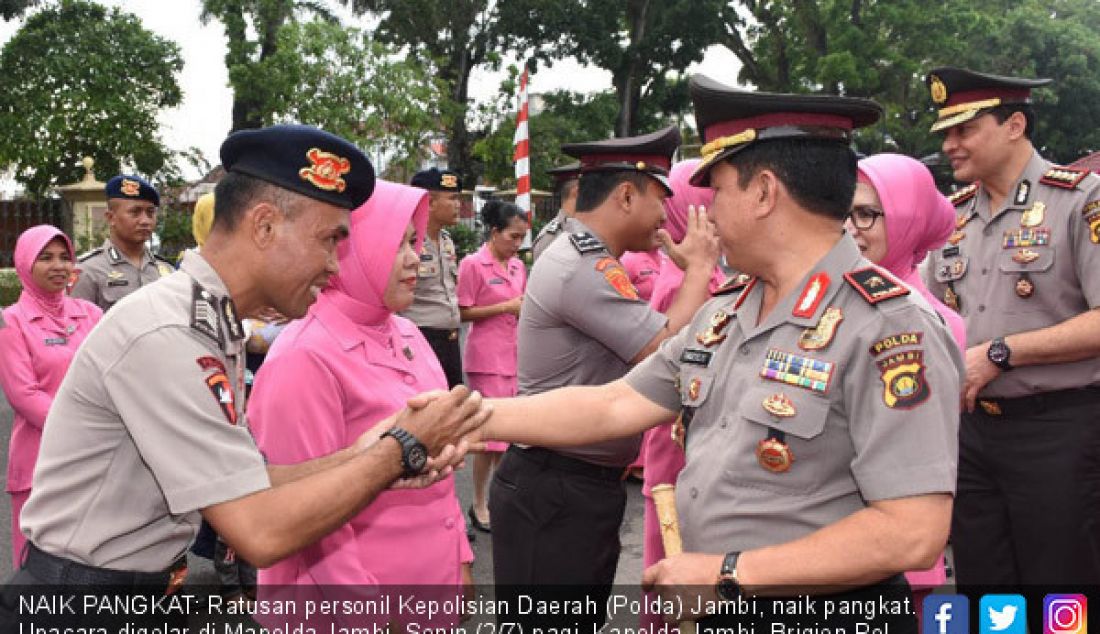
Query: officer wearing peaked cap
x=435 y=307
x=566 y=178
x=818 y=405
x=122 y=264
x=1023 y=270
x=148 y=434
x=582 y=323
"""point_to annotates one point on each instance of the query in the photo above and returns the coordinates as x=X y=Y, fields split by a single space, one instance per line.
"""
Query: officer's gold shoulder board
x=874 y=284
x=90 y=254
x=1064 y=177
x=732 y=285
x=964 y=194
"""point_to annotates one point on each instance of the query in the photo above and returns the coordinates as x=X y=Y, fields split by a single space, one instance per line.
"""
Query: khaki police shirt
x=106 y=276
x=549 y=232
x=869 y=409
x=435 y=303
x=580 y=324
x=147 y=429
x=1046 y=235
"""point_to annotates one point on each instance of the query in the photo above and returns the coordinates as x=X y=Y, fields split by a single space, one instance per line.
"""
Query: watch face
x=728 y=589
x=998 y=353
x=418 y=458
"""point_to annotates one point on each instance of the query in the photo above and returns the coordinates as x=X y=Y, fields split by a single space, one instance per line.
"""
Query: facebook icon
x=946 y=614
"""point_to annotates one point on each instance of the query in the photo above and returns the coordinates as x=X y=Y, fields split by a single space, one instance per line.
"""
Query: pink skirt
x=493 y=386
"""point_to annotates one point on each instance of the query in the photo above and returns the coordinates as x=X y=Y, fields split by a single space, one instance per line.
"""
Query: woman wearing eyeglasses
x=897 y=217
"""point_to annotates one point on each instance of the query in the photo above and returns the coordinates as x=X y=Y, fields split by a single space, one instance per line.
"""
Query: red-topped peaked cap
x=962 y=94
x=650 y=154
x=731 y=119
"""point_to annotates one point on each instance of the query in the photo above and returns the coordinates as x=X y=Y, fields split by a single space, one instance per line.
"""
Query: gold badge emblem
x=1033 y=217
x=450 y=181
x=129 y=187
x=1094 y=228
x=774 y=455
x=951 y=299
x=1024 y=287
x=640 y=166
x=822 y=334
x=779 y=405
x=1025 y=256
x=714 y=335
x=114 y=275
x=938 y=89
x=694 y=387
x=956 y=237
x=164 y=269
x=326 y=170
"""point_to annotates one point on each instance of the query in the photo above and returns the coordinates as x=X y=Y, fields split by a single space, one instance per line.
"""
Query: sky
x=203 y=119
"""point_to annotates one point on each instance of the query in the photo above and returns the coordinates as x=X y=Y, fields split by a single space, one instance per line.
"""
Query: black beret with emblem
x=304 y=160
x=962 y=94
x=731 y=119
x=650 y=154
x=437 y=180
x=128 y=187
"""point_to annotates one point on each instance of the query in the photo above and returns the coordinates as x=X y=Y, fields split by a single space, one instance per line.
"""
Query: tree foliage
x=881 y=49
x=81 y=80
x=341 y=80
x=11 y=9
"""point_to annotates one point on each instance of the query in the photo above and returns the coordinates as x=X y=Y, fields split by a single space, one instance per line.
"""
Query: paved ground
x=630 y=562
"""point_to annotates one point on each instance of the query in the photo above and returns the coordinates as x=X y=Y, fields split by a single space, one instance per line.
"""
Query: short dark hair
x=237 y=191
x=594 y=187
x=1002 y=113
x=498 y=214
x=819 y=173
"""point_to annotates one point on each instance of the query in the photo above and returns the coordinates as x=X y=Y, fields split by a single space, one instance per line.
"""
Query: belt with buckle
x=554 y=460
x=1038 y=403
x=51 y=569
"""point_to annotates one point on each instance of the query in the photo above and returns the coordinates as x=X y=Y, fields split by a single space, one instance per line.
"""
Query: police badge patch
x=902 y=375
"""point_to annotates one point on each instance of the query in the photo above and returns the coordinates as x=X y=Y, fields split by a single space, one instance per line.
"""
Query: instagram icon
x=1065 y=614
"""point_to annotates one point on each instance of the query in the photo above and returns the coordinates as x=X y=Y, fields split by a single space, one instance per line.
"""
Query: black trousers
x=555 y=533
x=1026 y=508
x=444 y=342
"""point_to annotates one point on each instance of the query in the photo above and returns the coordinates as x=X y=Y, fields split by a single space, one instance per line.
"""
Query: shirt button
x=723 y=424
x=985 y=271
x=981 y=308
x=449 y=522
x=988 y=231
x=745 y=350
x=694 y=493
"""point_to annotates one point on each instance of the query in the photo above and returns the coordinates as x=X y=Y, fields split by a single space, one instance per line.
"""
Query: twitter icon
x=1002 y=614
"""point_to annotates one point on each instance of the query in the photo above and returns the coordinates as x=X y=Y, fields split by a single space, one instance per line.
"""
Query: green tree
x=645 y=44
x=343 y=81
x=11 y=9
x=882 y=48
x=252 y=30
x=81 y=80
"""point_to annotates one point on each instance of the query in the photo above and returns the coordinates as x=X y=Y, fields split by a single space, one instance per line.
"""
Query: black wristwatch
x=999 y=354
x=414 y=455
x=728 y=587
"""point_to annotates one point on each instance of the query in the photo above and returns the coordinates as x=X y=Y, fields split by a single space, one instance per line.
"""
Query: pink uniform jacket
x=642 y=267
x=482 y=281
x=37 y=345
x=335 y=374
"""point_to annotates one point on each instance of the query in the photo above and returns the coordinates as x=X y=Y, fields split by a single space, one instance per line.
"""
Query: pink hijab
x=366 y=257
x=27 y=249
x=918 y=219
x=684 y=195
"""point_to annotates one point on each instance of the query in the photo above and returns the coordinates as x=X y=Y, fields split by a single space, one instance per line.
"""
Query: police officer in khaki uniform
x=820 y=404
x=147 y=436
x=556 y=514
x=565 y=189
x=1023 y=270
x=123 y=264
x=435 y=307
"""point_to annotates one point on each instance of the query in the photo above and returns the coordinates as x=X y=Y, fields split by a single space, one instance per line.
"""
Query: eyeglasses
x=863 y=218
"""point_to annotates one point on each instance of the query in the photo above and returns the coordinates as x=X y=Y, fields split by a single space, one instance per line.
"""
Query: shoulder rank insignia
x=875 y=284
x=964 y=194
x=585 y=242
x=553 y=227
x=1064 y=177
x=204 y=315
x=90 y=254
x=732 y=285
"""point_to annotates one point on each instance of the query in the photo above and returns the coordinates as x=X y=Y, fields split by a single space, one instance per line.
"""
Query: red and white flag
x=523 y=153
